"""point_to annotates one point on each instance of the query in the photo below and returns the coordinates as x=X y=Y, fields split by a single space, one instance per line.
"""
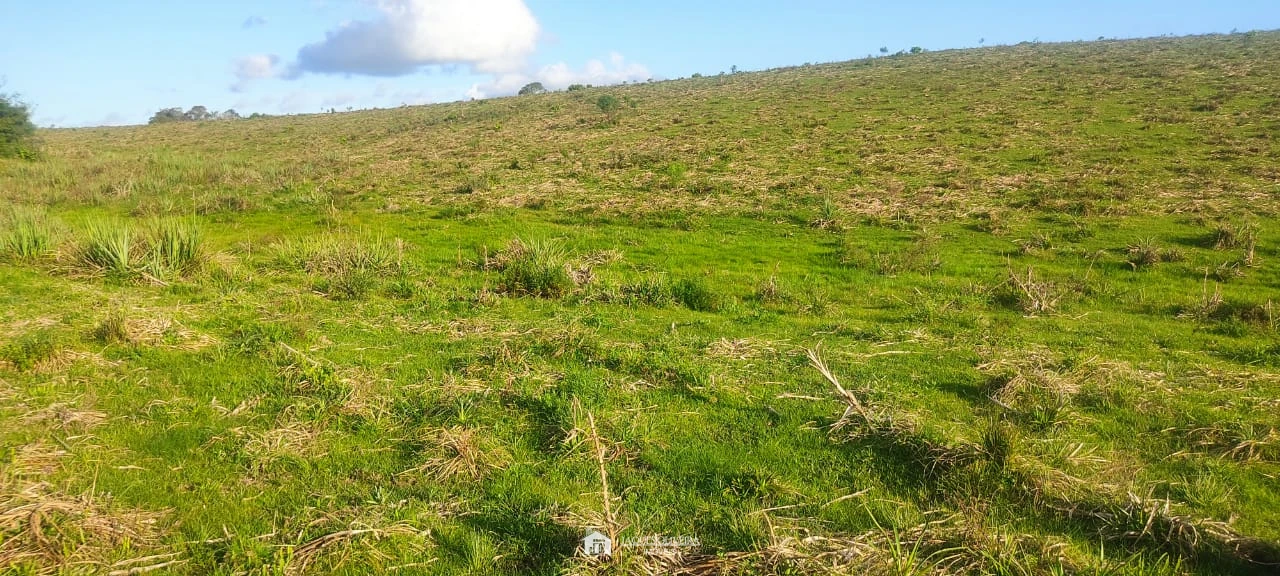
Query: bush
x=608 y=103
x=651 y=291
x=17 y=133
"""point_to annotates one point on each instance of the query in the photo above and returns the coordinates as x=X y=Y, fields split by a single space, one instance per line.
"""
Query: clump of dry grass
x=292 y=439
x=1207 y=305
x=1244 y=441
x=739 y=348
x=861 y=420
x=66 y=415
x=1034 y=295
x=1032 y=383
x=952 y=544
x=1129 y=518
x=461 y=452
x=309 y=552
x=1147 y=252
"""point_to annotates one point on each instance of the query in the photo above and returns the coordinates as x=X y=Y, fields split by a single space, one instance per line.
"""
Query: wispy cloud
x=253 y=22
x=492 y=36
x=256 y=67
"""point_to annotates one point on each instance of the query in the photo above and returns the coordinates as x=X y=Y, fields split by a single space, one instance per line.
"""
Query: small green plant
x=649 y=291
x=113 y=329
x=695 y=294
x=29 y=350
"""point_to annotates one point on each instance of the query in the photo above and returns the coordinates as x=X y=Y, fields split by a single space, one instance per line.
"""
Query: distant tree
x=697 y=75
x=608 y=103
x=230 y=114
x=576 y=87
x=532 y=88
x=196 y=113
x=884 y=49
x=167 y=115
x=916 y=50
x=733 y=69
x=17 y=133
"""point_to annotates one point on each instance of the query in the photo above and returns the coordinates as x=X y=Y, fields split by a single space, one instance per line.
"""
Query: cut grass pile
x=451 y=339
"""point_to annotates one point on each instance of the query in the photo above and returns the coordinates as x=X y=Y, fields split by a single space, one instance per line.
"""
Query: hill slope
x=983 y=310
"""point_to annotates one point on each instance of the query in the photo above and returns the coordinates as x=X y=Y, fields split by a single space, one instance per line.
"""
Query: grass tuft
x=108 y=247
x=25 y=234
x=537 y=268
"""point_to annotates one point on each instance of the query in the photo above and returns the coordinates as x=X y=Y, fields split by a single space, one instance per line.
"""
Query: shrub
x=172 y=249
x=696 y=295
x=608 y=103
x=17 y=133
x=27 y=234
x=1228 y=235
x=474 y=183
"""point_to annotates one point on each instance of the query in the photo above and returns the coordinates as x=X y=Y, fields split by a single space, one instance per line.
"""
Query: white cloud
x=256 y=67
x=560 y=76
x=491 y=36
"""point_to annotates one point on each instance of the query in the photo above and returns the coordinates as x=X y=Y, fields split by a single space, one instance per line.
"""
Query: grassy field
x=1009 y=310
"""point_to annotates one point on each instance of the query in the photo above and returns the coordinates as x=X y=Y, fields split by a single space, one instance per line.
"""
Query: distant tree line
x=197 y=114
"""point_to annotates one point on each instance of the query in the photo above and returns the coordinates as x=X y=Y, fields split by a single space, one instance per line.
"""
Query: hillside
x=1003 y=310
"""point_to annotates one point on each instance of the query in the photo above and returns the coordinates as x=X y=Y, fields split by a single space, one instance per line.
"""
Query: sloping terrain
x=1007 y=310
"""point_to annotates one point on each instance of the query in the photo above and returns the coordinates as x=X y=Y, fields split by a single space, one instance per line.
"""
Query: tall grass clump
x=27 y=234
x=175 y=249
x=534 y=268
x=108 y=247
x=346 y=268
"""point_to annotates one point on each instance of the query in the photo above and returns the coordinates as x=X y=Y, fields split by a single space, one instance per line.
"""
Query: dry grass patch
x=460 y=452
x=46 y=531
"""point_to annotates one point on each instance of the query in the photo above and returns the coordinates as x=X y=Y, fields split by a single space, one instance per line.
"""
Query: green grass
x=411 y=340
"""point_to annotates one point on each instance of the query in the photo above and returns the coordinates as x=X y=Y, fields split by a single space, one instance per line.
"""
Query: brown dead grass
x=49 y=530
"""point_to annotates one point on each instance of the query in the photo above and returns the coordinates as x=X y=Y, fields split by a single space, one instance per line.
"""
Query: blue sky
x=94 y=62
